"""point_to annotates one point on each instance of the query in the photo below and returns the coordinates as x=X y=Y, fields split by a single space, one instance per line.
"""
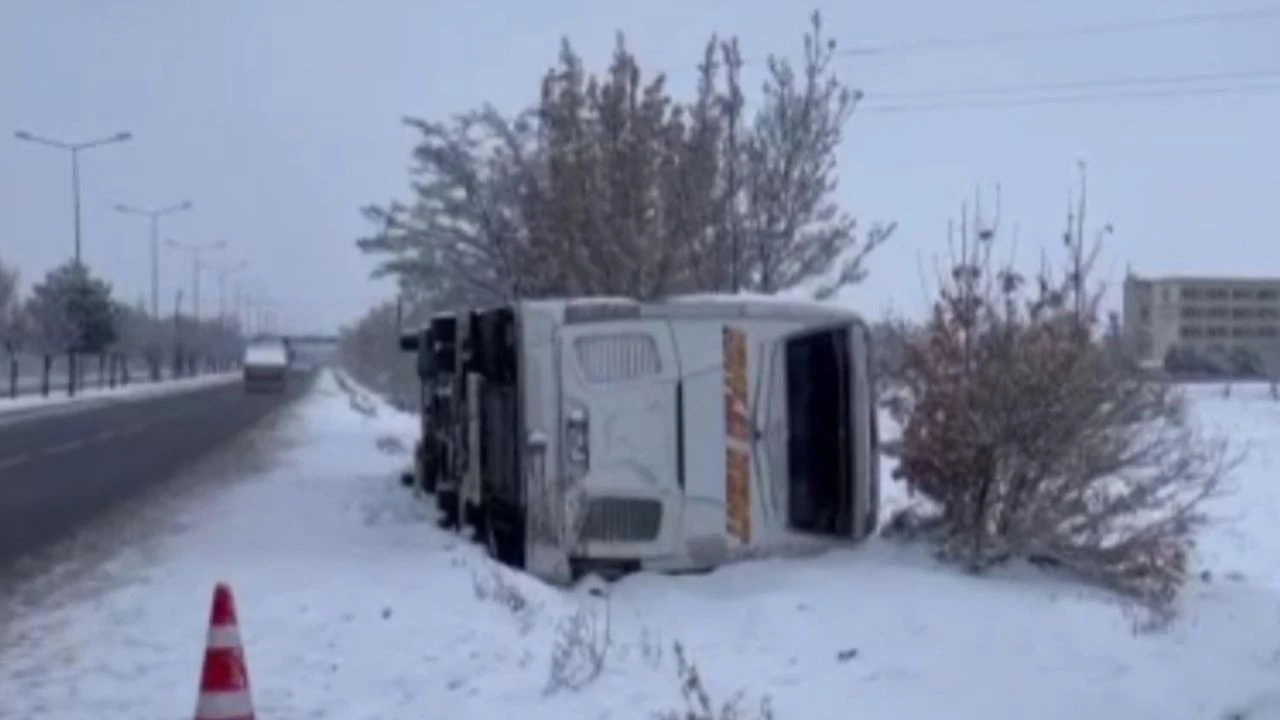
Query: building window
x=1268 y=295
x=1217 y=312
x=1242 y=294
x=1267 y=312
x=1216 y=294
x=1144 y=314
x=1190 y=331
x=1266 y=331
x=1187 y=293
x=1190 y=312
x=1216 y=331
x=1242 y=312
x=1242 y=332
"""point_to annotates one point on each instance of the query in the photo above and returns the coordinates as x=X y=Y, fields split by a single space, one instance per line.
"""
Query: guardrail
x=66 y=373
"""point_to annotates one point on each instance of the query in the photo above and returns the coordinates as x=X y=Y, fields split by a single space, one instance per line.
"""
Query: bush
x=1036 y=443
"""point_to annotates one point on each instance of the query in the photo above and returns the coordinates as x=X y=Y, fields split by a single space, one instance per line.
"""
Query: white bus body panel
x=619 y=381
x=726 y=357
x=546 y=544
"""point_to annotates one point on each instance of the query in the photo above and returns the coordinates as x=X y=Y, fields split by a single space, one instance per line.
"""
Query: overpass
x=312 y=339
x=315 y=349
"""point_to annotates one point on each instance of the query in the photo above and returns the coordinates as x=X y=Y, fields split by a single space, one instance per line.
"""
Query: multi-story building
x=1213 y=317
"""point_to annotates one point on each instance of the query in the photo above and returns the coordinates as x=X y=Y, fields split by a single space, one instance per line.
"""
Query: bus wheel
x=447 y=504
x=476 y=518
x=491 y=542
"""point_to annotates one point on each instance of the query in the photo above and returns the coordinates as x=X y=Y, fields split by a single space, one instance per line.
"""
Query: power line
x=1123 y=81
x=1084 y=30
x=872 y=101
x=904 y=108
x=1009 y=37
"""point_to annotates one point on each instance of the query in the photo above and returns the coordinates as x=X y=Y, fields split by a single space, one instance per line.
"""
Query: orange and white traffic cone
x=224 y=681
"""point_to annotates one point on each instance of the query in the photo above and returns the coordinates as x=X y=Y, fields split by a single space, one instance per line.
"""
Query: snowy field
x=354 y=607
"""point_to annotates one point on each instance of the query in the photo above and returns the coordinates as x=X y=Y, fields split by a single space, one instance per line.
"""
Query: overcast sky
x=280 y=118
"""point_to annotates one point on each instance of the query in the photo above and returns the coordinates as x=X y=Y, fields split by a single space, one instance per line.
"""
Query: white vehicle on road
x=266 y=365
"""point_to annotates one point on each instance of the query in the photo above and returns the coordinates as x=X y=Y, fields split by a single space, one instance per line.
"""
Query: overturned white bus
x=609 y=435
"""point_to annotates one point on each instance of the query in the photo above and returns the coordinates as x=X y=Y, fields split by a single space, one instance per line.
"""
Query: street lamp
x=259 y=308
x=251 y=293
x=238 y=304
x=74 y=149
x=154 y=216
x=270 y=310
x=223 y=273
x=196 y=249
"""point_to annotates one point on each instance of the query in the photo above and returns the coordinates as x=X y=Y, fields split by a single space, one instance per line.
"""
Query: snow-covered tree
x=796 y=231
x=71 y=310
x=609 y=185
x=370 y=350
x=12 y=318
x=138 y=333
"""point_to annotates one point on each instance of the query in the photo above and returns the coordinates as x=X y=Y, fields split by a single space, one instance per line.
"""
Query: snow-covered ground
x=122 y=393
x=353 y=606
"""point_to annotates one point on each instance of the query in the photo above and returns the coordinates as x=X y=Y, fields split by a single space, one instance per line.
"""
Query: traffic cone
x=224 y=680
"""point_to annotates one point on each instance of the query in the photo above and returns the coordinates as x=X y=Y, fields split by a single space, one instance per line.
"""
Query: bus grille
x=622 y=520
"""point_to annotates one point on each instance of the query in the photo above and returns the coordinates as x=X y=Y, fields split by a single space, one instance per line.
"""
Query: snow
x=61 y=402
x=795 y=302
x=1246 y=540
x=352 y=605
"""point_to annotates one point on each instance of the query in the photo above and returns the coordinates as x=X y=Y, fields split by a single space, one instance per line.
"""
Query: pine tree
x=72 y=311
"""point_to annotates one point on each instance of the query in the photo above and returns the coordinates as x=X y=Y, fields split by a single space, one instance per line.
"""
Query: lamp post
x=224 y=272
x=196 y=250
x=75 y=149
x=261 y=314
x=254 y=296
x=237 y=305
x=154 y=216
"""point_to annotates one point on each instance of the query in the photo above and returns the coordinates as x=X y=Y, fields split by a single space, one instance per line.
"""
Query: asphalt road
x=60 y=470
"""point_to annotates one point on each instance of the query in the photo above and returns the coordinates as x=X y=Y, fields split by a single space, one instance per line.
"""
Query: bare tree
x=1036 y=443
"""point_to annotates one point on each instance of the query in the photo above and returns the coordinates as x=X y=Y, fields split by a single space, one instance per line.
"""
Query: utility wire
x=1244 y=89
x=1085 y=30
x=1008 y=37
x=1122 y=81
x=892 y=102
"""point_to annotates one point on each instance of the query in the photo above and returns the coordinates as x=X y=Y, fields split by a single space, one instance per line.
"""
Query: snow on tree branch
x=609 y=185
